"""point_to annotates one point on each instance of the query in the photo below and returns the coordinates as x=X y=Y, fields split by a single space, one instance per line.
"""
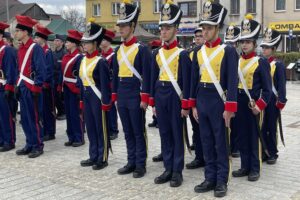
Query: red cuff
x=280 y=105
x=46 y=85
x=151 y=101
x=145 y=97
x=59 y=88
x=35 y=88
x=192 y=103
x=9 y=88
x=261 y=104
x=231 y=106
x=81 y=105
x=114 y=97
x=185 y=104
x=106 y=107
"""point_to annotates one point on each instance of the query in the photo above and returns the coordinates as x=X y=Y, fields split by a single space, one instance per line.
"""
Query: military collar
x=170 y=46
x=105 y=54
x=250 y=55
x=213 y=44
x=2 y=43
x=75 y=52
x=28 y=43
x=92 y=55
x=130 y=42
x=272 y=58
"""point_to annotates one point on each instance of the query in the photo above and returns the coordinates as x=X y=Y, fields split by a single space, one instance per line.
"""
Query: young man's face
x=88 y=47
x=58 y=43
x=70 y=45
x=248 y=46
x=20 y=34
x=199 y=38
x=167 y=33
x=104 y=44
x=39 y=40
x=267 y=51
x=209 y=32
x=125 y=30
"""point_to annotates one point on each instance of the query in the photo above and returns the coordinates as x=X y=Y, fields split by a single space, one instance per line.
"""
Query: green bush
x=288 y=58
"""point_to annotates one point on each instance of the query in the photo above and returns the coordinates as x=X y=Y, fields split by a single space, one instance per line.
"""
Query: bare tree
x=76 y=18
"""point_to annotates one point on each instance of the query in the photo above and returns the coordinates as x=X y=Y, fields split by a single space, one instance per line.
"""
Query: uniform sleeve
x=10 y=64
x=115 y=79
x=49 y=72
x=195 y=77
x=105 y=84
x=75 y=70
x=185 y=65
x=38 y=67
x=281 y=85
x=154 y=78
x=145 y=59
x=266 y=84
x=232 y=60
x=60 y=78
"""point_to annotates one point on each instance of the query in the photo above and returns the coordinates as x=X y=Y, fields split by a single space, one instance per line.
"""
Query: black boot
x=253 y=176
x=100 y=165
x=152 y=124
x=60 y=117
x=68 y=144
x=193 y=147
x=6 y=148
x=158 y=158
x=235 y=154
x=205 y=187
x=22 y=152
x=87 y=163
x=240 y=173
x=139 y=172
x=195 y=164
x=113 y=136
x=77 y=144
x=35 y=153
x=49 y=137
x=176 y=179
x=163 y=178
x=272 y=160
x=220 y=190
x=127 y=169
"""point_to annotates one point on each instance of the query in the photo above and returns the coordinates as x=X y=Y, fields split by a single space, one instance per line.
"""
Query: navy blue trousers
x=31 y=117
x=248 y=140
x=95 y=126
x=196 y=138
x=170 y=124
x=74 y=122
x=49 y=112
x=269 y=129
x=213 y=137
x=113 y=120
x=234 y=135
x=7 y=124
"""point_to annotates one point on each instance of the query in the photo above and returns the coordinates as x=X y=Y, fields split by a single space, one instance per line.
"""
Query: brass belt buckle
x=251 y=104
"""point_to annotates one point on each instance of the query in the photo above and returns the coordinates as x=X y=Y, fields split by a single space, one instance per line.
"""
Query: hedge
x=288 y=58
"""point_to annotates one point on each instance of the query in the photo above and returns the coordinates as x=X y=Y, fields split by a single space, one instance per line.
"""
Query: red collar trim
x=94 y=54
x=271 y=59
x=2 y=43
x=213 y=44
x=105 y=54
x=45 y=47
x=28 y=43
x=251 y=55
x=74 y=52
x=130 y=42
x=170 y=46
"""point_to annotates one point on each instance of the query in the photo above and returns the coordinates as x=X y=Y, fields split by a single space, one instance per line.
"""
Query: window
x=251 y=6
x=189 y=9
x=96 y=10
x=297 y=4
x=115 y=8
x=157 y=5
x=279 y=5
x=235 y=7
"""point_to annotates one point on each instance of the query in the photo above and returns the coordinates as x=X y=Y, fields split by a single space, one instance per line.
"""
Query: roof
x=59 y=26
x=55 y=16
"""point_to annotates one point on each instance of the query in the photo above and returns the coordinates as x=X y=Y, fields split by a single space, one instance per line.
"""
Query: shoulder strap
x=171 y=58
x=69 y=63
x=273 y=86
x=213 y=55
x=22 y=77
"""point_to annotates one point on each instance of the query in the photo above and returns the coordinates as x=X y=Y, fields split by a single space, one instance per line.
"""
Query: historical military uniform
x=112 y=114
x=131 y=68
x=231 y=37
x=94 y=74
x=170 y=86
x=71 y=87
x=272 y=39
x=49 y=118
x=214 y=91
x=8 y=63
x=197 y=145
x=254 y=92
x=31 y=60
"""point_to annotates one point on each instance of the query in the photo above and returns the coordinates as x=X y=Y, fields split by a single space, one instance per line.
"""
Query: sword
x=144 y=128
x=106 y=118
x=11 y=108
x=256 y=120
x=186 y=135
x=36 y=106
x=227 y=135
x=280 y=128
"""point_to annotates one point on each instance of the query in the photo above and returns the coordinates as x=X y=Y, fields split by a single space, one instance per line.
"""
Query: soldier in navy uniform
x=197 y=145
x=272 y=39
x=31 y=62
x=131 y=87
x=170 y=87
x=108 y=53
x=231 y=37
x=214 y=71
x=94 y=74
x=58 y=54
x=49 y=112
x=255 y=90
x=8 y=73
x=71 y=87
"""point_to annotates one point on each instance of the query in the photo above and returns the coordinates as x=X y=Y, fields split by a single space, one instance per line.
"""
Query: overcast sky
x=55 y=6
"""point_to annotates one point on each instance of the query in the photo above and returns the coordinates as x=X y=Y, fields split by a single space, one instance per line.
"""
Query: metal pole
x=7 y=11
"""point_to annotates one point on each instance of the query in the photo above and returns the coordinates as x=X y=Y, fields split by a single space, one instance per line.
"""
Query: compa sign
x=286 y=26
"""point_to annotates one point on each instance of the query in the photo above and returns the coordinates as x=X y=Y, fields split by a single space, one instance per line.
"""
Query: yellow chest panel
x=273 y=68
x=173 y=65
x=248 y=76
x=89 y=71
x=215 y=64
x=124 y=71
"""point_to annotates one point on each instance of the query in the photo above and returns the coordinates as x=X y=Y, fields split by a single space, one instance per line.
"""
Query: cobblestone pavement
x=58 y=175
